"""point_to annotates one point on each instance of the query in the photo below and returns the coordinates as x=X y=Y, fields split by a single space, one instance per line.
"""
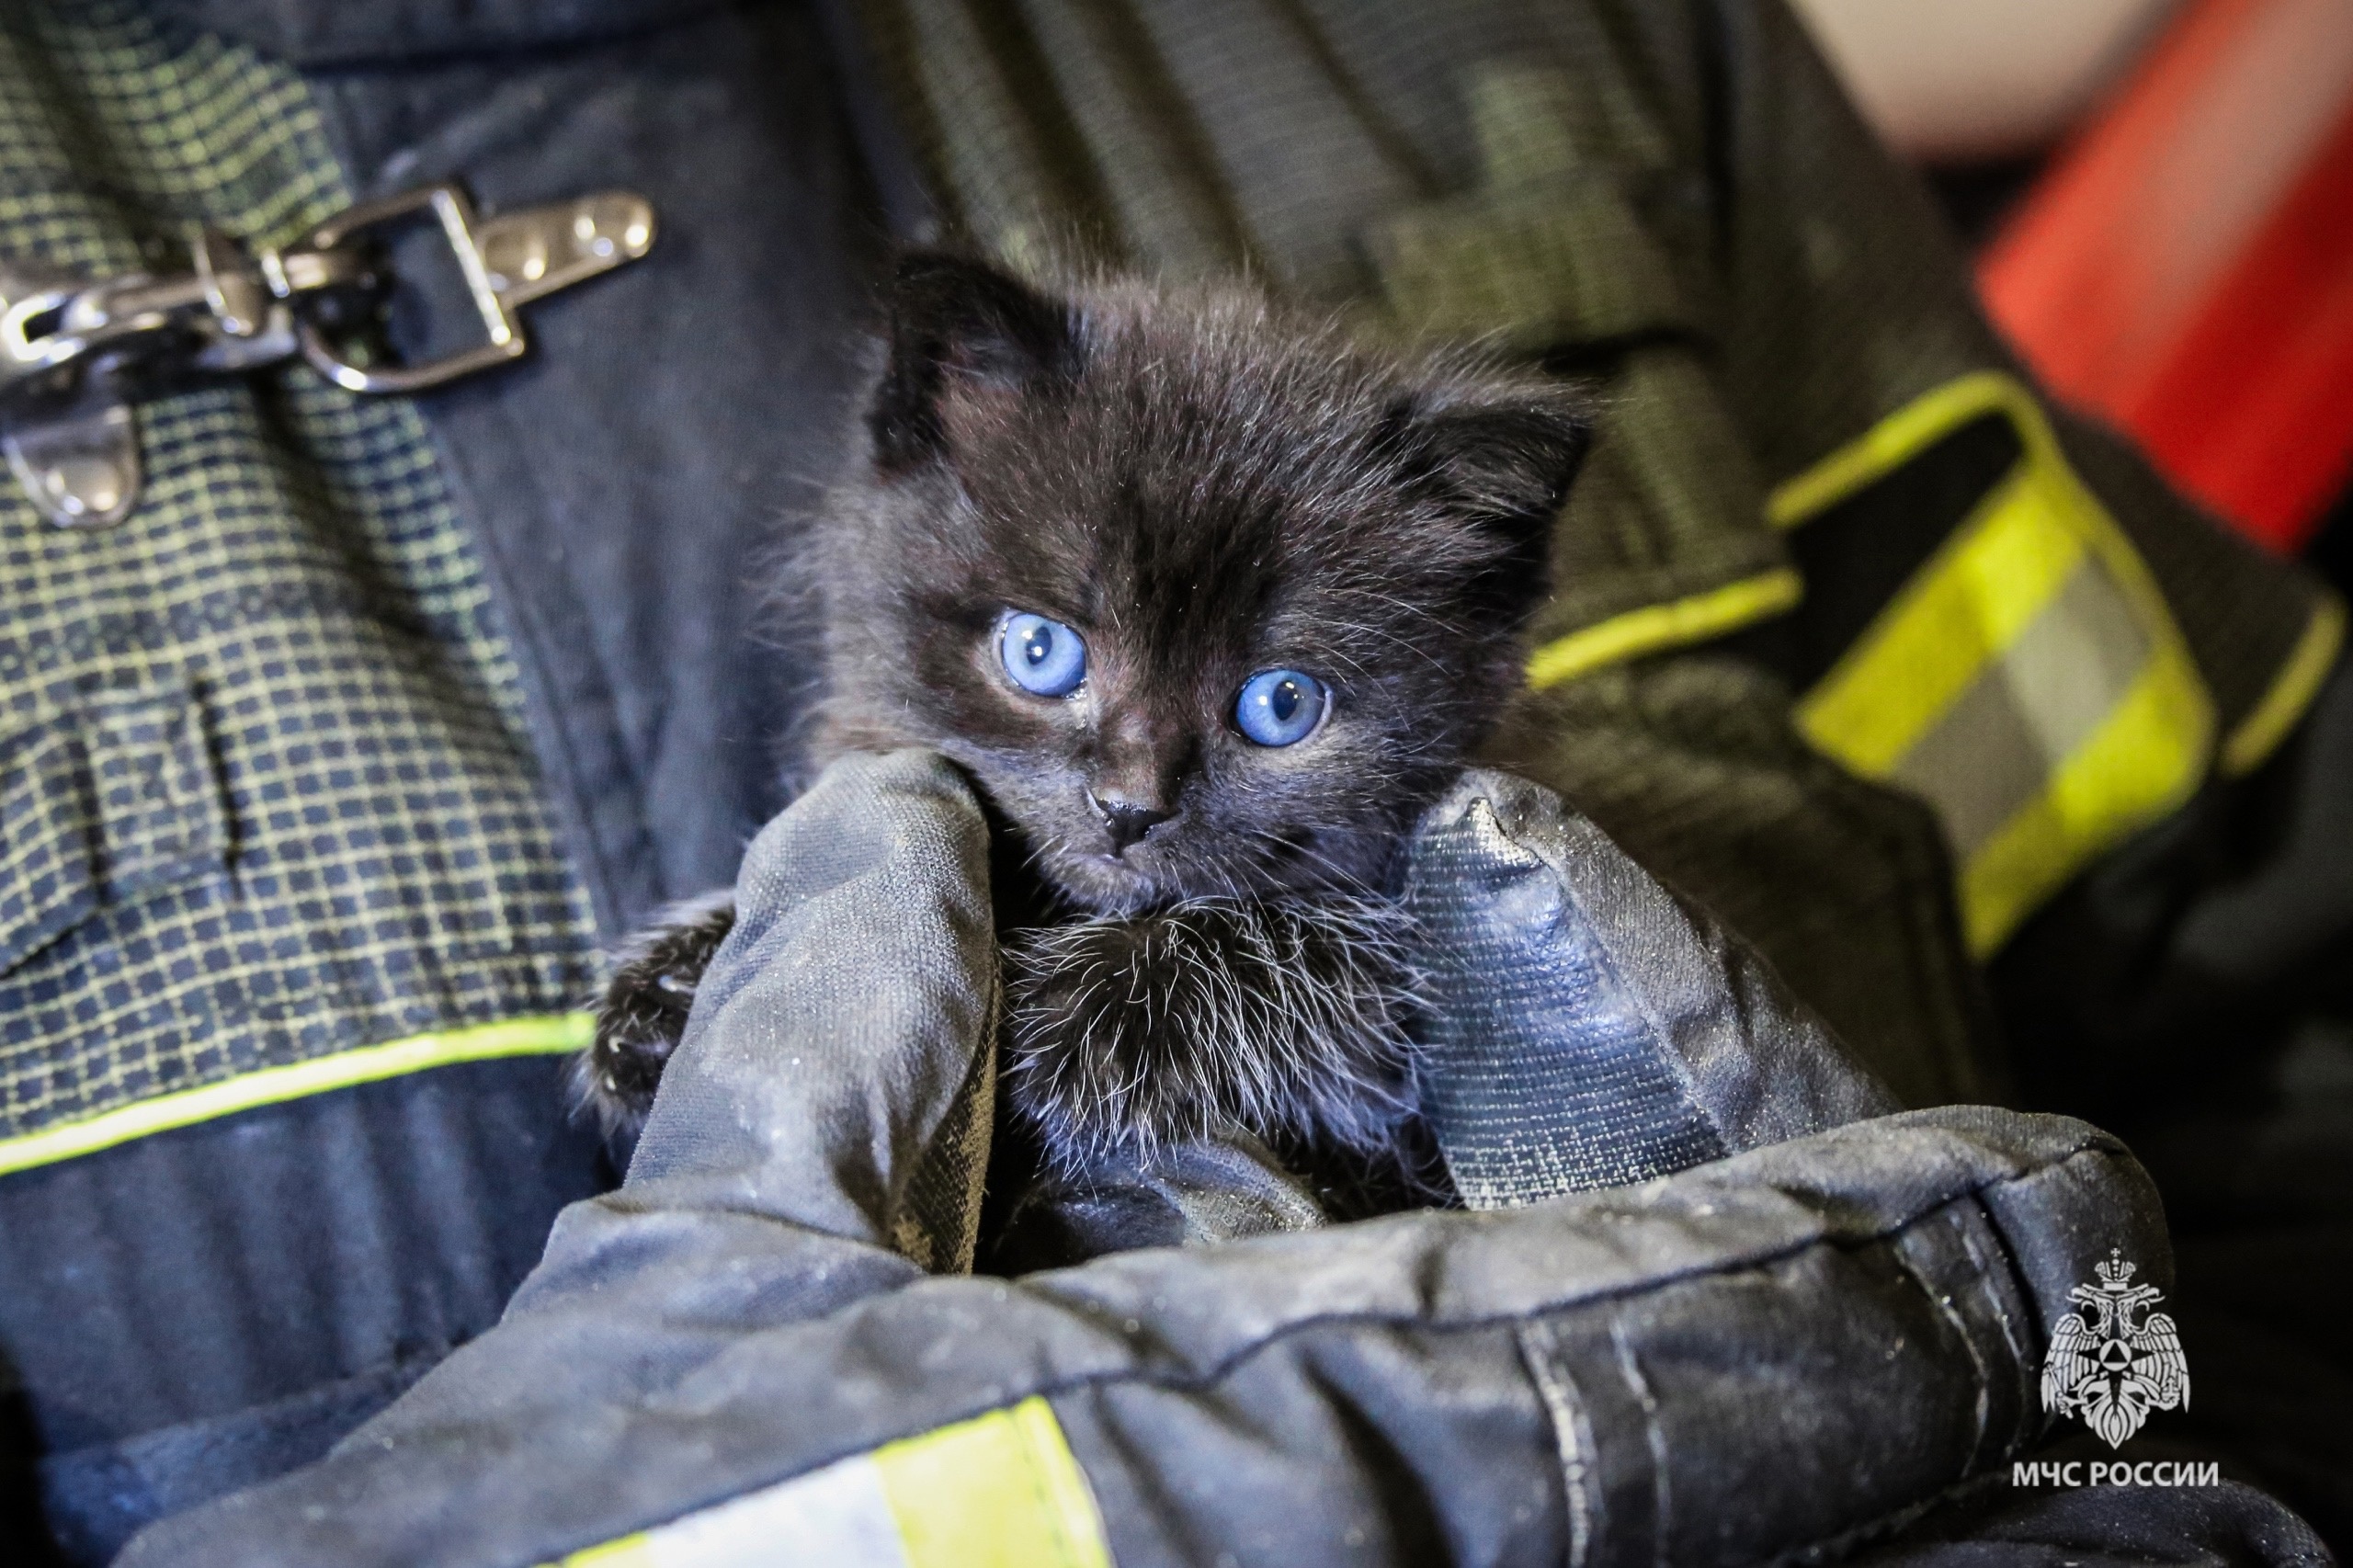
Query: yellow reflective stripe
x=1896 y=440
x=544 y=1036
x=1947 y=633
x=628 y=1551
x=1971 y=601
x=1900 y=436
x=2259 y=734
x=1656 y=627
x=1000 y=1492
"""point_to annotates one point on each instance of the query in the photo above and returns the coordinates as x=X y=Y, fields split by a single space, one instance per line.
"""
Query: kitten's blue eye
x=1042 y=656
x=1280 y=707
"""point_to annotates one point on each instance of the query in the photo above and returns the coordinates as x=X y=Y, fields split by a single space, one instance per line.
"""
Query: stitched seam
x=1539 y=1350
x=1653 y=1436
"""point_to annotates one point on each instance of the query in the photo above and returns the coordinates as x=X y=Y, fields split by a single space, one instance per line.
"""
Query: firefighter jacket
x=326 y=769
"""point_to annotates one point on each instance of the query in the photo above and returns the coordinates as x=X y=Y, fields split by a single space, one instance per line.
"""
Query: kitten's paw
x=642 y=1013
x=1285 y=1020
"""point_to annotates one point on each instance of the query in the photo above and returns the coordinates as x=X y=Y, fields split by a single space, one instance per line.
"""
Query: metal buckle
x=457 y=215
x=506 y=262
x=80 y=466
x=73 y=352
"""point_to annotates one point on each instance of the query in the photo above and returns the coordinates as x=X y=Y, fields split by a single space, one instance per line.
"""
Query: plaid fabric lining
x=267 y=790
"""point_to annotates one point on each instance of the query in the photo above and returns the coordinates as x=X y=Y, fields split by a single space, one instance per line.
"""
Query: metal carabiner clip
x=73 y=351
x=506 y=262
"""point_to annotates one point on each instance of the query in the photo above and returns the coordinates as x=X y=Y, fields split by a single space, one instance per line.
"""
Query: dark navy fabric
x=95 y=1499
x=632 y=481
x=162 y=1292
x=385 y=32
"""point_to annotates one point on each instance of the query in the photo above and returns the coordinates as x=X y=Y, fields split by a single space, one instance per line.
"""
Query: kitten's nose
x=1125 y=820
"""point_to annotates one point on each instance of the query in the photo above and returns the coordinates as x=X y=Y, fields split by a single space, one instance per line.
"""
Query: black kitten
x=1210 y=601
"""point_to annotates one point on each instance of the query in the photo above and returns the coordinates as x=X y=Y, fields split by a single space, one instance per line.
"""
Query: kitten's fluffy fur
x=1205 y=488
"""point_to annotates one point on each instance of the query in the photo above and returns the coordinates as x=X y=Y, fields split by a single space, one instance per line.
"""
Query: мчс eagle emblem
x=2109 y=1369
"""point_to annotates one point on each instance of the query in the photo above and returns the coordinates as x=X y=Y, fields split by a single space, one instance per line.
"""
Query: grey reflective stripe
x=839 y=1516
x=1001 y=1490
x=1989 y=755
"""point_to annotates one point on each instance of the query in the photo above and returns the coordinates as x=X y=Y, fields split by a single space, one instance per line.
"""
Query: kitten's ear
x=1505 y=466
x=960 y=324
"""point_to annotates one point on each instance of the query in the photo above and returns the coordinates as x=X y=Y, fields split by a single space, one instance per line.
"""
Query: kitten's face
x=1207 y=607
